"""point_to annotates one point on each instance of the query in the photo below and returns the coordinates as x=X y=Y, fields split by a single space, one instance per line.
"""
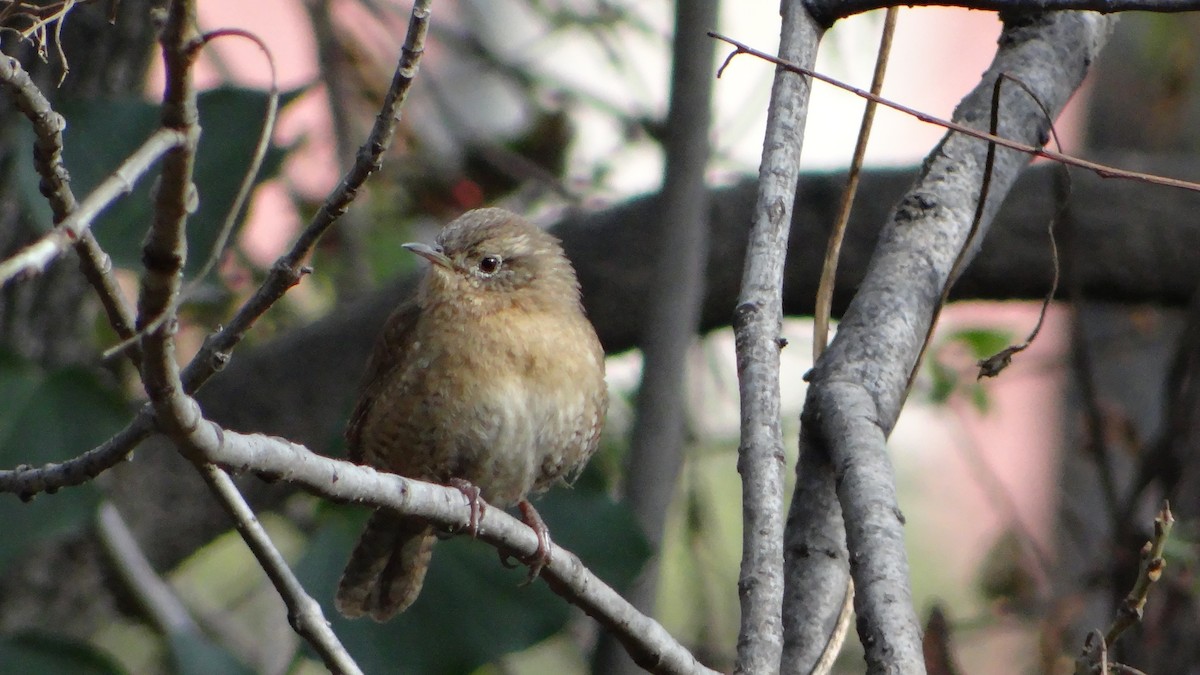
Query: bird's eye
x=490 y=264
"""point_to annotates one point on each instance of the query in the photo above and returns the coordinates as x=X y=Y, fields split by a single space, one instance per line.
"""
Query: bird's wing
x=387 y=356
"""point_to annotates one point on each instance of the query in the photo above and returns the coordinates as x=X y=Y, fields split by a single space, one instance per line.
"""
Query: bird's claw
x=540 y=557
x=471 y=492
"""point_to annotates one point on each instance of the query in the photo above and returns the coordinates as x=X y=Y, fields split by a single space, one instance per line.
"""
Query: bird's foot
x=471 y=492
x=540 y=557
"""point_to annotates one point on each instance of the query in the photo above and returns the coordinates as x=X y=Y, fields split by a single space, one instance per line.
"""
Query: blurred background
x=559 y=110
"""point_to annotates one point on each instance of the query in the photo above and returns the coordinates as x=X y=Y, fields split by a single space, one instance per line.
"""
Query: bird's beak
x=429 y=253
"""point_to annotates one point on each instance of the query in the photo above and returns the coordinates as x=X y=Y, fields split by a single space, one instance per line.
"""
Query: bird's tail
x=387 y=567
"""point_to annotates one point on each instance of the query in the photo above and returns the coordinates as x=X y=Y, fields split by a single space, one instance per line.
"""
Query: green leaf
x=49 y=418
x=944 y=381
x=102 y=133
x=980 y=399
x=468 y=594
x=981 y=342
x=46 y=654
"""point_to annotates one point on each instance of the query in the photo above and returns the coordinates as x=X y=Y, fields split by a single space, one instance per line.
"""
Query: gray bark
x=757 y=326
x=859 y=385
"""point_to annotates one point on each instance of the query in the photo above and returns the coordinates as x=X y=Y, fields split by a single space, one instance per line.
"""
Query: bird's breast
x=519 y=400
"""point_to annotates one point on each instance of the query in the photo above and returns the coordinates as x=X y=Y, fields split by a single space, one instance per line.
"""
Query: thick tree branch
x=657 y=440
x=829 y=11
x=858 y=387
x=757 y=326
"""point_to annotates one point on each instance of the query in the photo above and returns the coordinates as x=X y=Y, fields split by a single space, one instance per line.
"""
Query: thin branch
x=1102 y=170
x=757 y=323
x=991 y=366
x=27 y=482
x=829 y=11
x=287 y=271
x=239 y=200
x=647 y=641
x=256 y=160
x=163 y=255
x=833 y=250
x=1094 y=658
x=159 y=602
x=55 y=186
x=72 y=218
x=304 y=613
x=48 y=126
x=37 y=255
x=1150 y=570
x=165 y=249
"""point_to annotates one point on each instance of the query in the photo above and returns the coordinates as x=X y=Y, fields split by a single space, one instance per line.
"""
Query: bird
x=489 y=379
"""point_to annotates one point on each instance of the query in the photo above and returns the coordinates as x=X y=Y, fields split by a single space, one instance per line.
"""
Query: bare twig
x=47 y=127
x=968 y=245
x=757 y=325
x=833 y=250
x=304 y=613
x=1150 y=570
x=163 y=255
x=72 y=218
x=1094 y=658
x=991 y=366
x=239 y=200
x=1102 y=170
x=37 y=255
x=159 y=602
x=27 y=482
x=256 y=160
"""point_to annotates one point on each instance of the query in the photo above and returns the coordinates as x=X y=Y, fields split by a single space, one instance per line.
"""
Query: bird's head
x=491 y=258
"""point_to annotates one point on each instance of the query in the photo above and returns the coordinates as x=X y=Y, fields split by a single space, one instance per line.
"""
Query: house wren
x=491 y=379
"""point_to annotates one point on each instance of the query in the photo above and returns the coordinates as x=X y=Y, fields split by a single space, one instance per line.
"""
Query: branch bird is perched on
x=491 y=379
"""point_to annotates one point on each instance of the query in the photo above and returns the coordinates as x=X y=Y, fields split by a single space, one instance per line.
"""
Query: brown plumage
x=491 y=375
